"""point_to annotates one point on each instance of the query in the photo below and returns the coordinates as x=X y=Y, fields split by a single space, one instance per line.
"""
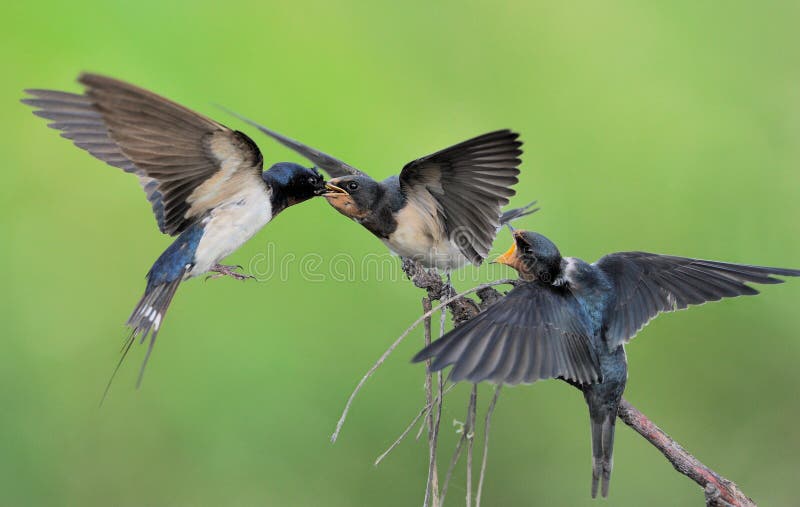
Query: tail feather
x=145 y=321
x=602 y=452
x=513 y=214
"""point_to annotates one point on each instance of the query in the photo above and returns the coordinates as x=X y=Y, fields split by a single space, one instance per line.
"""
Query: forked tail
x=602 y=450
x=145 y=321
x=509 y=216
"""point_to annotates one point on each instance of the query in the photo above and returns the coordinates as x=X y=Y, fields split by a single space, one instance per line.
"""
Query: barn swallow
x=442 y=210
x=571 y=320
x=204 y=181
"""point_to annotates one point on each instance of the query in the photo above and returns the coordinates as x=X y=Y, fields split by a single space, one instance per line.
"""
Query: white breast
x=420 y=236
x=230 y=225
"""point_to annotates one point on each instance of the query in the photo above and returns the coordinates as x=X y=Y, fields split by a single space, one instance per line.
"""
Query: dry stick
x=719 y=491
x=406 y=431
x=436 y=414
x=473 y=401
x=432 y=485
x=486 y=423
x=465 y=431
x=397 y=342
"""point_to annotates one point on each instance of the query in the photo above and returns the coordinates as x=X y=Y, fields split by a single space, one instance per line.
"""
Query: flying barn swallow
x=204 y=181
x=442 y=210
x=571 y=320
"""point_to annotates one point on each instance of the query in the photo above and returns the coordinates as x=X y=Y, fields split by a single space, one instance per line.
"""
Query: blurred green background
x=668 y=127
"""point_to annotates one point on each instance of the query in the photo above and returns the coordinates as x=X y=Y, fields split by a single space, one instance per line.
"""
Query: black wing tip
x=502 y=132
x=422 y=355
x=508 y=135
x=784 y=272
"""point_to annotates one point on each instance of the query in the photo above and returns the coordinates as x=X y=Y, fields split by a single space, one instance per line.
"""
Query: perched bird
x=442 y=210
x=204 y=181
x=569 y=319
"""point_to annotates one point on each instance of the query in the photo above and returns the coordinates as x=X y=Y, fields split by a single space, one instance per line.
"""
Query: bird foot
x=220 y=270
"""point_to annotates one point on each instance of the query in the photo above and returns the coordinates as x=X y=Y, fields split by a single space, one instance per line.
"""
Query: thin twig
x=453 y=462
x=473 y=401
x=397 y=342
x=432 y=484
x=438 y=417
x=719 y=491
x=465 y=431
x=413 y=422
x=486 y=423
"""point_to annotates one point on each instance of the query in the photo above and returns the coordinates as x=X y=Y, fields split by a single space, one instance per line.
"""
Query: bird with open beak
x=571 y=320
x=443 y=210
x=205 y=182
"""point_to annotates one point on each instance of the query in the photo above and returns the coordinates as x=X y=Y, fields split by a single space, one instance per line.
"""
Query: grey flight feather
x=533 y=333
x=470 y=181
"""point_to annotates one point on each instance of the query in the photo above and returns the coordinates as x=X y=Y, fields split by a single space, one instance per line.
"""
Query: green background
x=661 y=126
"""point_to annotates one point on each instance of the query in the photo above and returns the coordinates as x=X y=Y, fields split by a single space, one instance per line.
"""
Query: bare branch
x=432 y=485
x=486 y=424
x=719 y=491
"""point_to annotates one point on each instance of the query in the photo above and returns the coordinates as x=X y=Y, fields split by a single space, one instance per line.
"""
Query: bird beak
x=510 y=257
x=333 y=190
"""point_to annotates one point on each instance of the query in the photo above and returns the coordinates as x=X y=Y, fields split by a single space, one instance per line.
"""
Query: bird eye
x=352 y=185
x=311 y=180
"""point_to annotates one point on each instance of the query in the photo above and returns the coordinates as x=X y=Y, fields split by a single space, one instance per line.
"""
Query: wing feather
x=470 y=181
x=172 y=149
x=535 y=332
x=647 y=284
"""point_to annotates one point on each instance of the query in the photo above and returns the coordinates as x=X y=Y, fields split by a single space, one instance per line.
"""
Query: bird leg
x=221 y=270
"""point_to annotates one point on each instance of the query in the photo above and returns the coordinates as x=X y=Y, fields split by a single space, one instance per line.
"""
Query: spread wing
x=333 y=166
x=470 y=182
x=647 y=284
x=185 y=162
x=535 y=332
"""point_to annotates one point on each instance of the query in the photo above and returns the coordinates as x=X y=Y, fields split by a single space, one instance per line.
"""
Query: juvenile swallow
x=204 y=181
x=442 y=210
x=571 y=320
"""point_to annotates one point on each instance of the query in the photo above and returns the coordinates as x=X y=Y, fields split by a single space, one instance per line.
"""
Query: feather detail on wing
x=647 y=284
x=180 y=157
x=535 y=332
x=470 y=182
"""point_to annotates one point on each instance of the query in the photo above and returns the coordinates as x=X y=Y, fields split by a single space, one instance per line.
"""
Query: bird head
x=533 y=256
x=353 y=196
x=295 y=182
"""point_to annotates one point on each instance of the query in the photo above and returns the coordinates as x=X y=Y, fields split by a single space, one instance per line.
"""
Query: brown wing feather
x=172 y=149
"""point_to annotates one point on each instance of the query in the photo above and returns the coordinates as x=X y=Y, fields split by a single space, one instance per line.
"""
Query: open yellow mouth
x=510 y=257
x=334 y=190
